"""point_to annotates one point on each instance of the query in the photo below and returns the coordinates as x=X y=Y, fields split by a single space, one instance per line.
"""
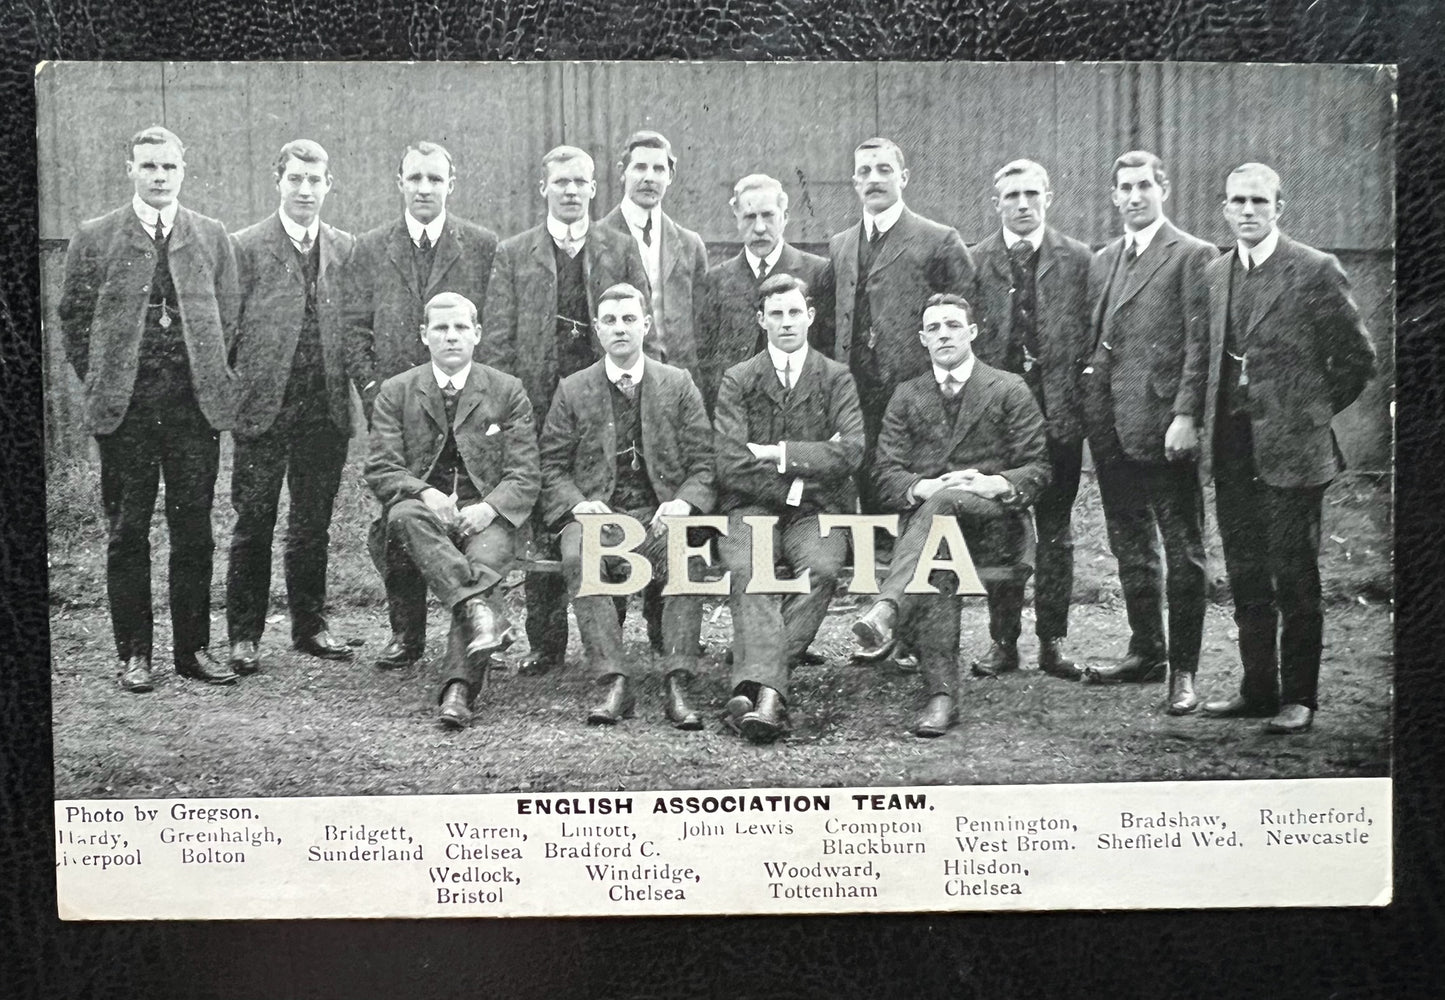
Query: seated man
x=454 y=463
x=789 y=440
x=628 y=434
x=965 y=441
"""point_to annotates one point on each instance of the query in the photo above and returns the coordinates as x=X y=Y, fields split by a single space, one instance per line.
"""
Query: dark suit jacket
x=108 y=271
x=495 y=436
x=919 y=257
x=999 y=431
x=519 y=323
x=1309 y=357
x=1061 y=287
x=819 y=419
x=383 y=308
x=1157 y=326
x=727 y=323
x=579 y=441
x=273 y=305
x=684 y=268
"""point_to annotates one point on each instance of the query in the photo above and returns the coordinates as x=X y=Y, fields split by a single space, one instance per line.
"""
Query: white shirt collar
x=1144 y=236
x=959 y=374
x=295 y=230
x=1011 y=238
x=1261 y=251
x=771 y=259
x=561 y=231
x=636 y=215
x=615 y=371
x=459 y=379
x=793 y=362
x=147 y=215
x=433 y=228
x=884 y=220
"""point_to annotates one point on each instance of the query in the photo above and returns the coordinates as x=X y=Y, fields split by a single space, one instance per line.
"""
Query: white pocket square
x=494 y=429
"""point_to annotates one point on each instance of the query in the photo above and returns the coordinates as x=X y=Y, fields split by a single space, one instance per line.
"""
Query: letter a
x=945 y=529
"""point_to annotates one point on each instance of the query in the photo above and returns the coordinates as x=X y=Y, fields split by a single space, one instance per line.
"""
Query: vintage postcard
x=1008 y=448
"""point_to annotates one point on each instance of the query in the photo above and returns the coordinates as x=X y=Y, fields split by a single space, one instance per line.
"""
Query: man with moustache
x=1287 y=351
x=882 y=268
x=1031 y=300
x=545 y=285
x=293 y=418
x=674 y=256
x=1144 y=395
x=965 y=441
x=148 y=312
x=789 y=439
x=628 y=434
x=728 y=330
x=453 y=461
x=395 y=270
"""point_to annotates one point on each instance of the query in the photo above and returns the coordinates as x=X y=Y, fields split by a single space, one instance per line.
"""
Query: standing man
x=675 y=257
x=148 y=311
x=1144 y=390
x=964 y=441
x=454 y=463
x=789 y=441
x=396 y=269
x=1287 y=351
x=728 y=330
x=293 y=419
x=883 y=267
x=545 y=285
x=1032 y=302
x=628 y=434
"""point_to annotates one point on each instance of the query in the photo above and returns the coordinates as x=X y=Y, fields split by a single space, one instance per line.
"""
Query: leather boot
x=1001 y=658
x=1182 y=699
x=1053 y=662
x=454 y=710
x=938 y=717
x=764 y=723
x=674 y=693
x=617 y=704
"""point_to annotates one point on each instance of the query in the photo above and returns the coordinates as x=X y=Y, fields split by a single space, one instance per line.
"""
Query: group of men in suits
x=586 y=367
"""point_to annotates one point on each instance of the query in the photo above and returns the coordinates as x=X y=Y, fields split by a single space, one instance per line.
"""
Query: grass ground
x=309 y=727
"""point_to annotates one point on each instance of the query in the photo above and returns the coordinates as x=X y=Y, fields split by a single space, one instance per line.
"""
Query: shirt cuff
x=795 y=493
x=782 y=457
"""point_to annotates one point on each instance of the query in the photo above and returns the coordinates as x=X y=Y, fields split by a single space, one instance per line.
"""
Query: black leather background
x=1385 y=954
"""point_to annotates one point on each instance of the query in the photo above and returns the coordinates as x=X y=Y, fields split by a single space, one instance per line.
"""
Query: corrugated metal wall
x=1327 y=129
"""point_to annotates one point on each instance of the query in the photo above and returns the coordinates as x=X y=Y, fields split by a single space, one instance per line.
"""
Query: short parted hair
x=1265 y=171
x=1014 y=167
x=618 y=292
x=947 y=299
x=154 y=135
x=426 y=149
x=878 y=142
x=304 y=150
x=445 y=300
x=1139 y=158
x=779 y=284
x=563 y=154
x=759 y=182
x=647 y=139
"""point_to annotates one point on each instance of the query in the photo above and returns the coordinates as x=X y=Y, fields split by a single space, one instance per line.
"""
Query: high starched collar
x=884 y=220
x=1139 y=242
x=1011 y=239
x=148 y=215
x=1253 y=256
x=459 y=380
x=960 y=374
x=433 y=229
x=615 y=371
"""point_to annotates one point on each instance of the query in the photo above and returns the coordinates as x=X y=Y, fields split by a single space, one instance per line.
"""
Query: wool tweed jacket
x=273 y=306
x=579 y=441
x=684 y=269
x=108 y=271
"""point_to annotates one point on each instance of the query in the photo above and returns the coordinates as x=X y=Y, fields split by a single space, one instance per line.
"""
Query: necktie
x=1134 y=250
x=160 y=236
x=951 y=386
x=762 y=269
x=627 y=387
x=647 y=231
x=305 y=245
x=875 y=234
x=425 y=242
x=785 y=373
x=1021 y=253
x=450 y=391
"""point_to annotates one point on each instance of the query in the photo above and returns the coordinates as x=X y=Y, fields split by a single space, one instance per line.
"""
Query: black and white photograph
x=355 y=372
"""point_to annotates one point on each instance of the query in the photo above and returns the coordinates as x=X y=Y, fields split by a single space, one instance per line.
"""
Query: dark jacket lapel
x=1277 y=277
x=449 y=249
x=400 y=251
x=971 y=405
x=898 y=238
x=472 y=394
x=1161 y=248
